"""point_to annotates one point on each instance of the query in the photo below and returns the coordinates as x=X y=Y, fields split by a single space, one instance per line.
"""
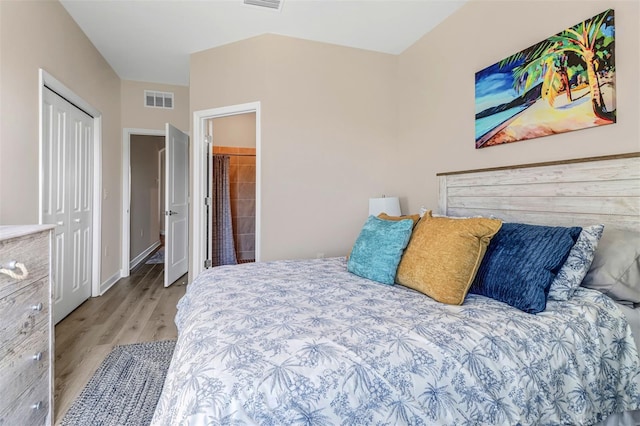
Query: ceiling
x=151 y=40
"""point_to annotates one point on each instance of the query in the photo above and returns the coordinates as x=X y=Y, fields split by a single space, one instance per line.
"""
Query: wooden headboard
x=565 y=193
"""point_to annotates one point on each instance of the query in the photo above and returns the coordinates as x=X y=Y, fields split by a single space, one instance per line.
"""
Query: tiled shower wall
x=242 y=180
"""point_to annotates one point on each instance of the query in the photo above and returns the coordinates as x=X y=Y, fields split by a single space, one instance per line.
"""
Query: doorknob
x=170 y=213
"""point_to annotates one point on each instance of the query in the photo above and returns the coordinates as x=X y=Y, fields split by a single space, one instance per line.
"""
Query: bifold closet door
x=67 y=154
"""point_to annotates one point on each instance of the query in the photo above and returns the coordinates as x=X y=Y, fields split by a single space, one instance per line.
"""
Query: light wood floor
x=136 y=309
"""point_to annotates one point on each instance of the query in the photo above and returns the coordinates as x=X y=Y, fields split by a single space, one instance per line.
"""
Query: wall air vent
x=153 y=99
x=267 y=4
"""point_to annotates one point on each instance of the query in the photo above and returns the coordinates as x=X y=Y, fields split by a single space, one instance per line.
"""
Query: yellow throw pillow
x=444 y=254
x=414 y=217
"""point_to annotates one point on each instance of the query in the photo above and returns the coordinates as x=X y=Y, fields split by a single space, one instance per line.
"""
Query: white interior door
x=67 y=154
x=176 y=251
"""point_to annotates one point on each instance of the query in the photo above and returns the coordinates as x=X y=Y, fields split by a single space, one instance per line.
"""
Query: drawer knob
x=37 y=406
x=38 y=356
x=10 y=270
x=38 y=307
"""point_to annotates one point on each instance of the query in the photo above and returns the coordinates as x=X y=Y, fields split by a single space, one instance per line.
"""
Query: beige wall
x=235 y=130
x=145 y=207
x=340 y=125
x=136 y=115
x=40 y=34
x=328 y=133
x=436 y=90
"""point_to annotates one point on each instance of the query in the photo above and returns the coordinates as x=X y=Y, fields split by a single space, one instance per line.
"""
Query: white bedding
x=629 y=418
x=305 y=342
x=633 y=317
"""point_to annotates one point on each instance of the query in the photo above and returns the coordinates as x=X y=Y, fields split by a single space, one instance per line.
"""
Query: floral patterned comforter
x=306 y=342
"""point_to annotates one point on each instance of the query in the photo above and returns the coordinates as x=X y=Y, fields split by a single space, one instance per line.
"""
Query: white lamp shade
x=388 y=205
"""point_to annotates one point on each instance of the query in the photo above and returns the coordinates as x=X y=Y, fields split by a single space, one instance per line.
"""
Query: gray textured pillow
x=615 y=270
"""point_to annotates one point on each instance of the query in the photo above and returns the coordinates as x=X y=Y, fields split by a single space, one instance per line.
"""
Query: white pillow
x=616 y=266
x=577 y=265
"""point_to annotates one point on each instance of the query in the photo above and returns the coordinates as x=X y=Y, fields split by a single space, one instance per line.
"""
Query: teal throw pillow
x=378 y=249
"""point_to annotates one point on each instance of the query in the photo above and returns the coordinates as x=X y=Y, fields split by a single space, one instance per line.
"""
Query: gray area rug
x=158 y=257
x=126 y=387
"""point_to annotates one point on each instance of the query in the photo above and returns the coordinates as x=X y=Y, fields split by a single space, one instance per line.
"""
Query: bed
x=307 y=342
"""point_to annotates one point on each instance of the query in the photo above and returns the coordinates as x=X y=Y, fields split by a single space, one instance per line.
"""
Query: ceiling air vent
x=153 y=99
x=267 y=4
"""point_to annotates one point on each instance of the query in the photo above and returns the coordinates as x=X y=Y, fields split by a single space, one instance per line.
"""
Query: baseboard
x=109 y=282
x=142 y=256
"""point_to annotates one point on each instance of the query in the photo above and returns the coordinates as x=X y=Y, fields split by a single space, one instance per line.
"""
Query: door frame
x=126 y=192
x=44 y=78
x=198 y=176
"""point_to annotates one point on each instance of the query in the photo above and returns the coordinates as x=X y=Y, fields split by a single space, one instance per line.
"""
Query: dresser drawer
x=30 y=408
x=21 y=311
x=23 y=364
x=30 y=250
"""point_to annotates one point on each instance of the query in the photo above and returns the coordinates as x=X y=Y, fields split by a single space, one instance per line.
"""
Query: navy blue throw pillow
x=521 y=262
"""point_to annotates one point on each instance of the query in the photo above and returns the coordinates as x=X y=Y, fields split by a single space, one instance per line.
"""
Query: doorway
x=146 y=227
x=176 y=197
x=202 y=161
x=127 y=136
x=232 y=177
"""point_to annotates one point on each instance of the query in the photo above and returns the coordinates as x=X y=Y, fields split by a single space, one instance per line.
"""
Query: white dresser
x=26 y=327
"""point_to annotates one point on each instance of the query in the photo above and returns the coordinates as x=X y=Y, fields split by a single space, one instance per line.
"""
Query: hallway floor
x=136 y=309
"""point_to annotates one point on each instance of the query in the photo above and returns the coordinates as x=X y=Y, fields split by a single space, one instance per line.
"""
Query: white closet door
x=68 y=182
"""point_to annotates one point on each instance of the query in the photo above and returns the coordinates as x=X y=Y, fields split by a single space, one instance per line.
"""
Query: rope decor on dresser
x=10 y=270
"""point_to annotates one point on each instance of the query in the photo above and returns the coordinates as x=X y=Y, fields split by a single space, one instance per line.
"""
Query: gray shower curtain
x=223 y=251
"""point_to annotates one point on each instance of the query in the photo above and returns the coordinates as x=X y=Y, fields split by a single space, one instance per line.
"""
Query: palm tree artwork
x=563 y=83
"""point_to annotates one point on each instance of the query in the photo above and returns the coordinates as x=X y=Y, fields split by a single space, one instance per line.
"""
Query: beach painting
x=563 y=83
